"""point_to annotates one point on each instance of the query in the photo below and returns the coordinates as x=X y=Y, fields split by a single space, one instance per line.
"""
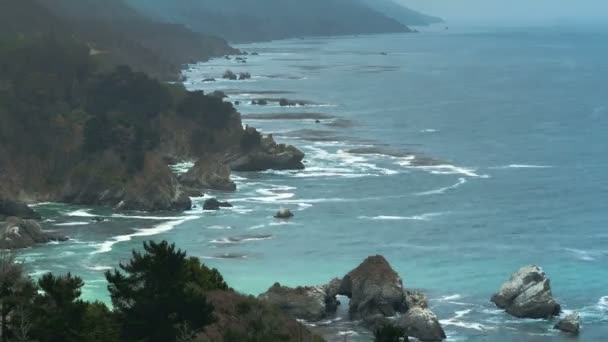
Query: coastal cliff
x=103 y=137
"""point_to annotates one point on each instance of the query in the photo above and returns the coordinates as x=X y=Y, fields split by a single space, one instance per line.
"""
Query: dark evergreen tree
x=161 y=291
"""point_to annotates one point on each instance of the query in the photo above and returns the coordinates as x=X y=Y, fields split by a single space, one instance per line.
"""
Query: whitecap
x=81 y=213
x=456 y=321
x=219 y=227
x=68 y=224
x=461 y=181
x=259 y=226
x=451 y=297
x=602 y=304
x=142 y=217
x=99 y=268
x=581 y=254
x=159 y=229
x=523 y=166
x=34 y=205
x=240 y=239
x=182 y=167
x=447 y=169
x=38 y=273
x=428 y=130
x=423 y=217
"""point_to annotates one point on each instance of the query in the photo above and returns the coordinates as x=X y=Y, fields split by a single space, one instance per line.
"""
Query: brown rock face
x=209 y=173
x=373 y=288
x=308 y=303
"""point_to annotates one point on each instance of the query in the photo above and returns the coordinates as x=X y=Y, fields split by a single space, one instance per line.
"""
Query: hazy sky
x=514 y=11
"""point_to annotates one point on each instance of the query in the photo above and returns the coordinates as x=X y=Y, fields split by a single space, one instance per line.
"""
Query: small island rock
x=284 y=214
x=569 y=324
x=214 y=204
x=527 y=294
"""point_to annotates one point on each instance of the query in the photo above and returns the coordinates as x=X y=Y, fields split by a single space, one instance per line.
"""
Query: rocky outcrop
x=17 y=233
x=377 y=298
x=373 y=288
x=209 y=173
x=14 y=208
x=283 y=214
x=214 y=204
x=527 y=294
x=308 y=303
x=154 y=188
x=569 y=324
x=241 y=318
x=422 y=324
x=267 y=155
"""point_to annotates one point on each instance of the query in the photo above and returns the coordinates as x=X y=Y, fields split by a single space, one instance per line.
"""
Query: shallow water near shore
x=459 y=156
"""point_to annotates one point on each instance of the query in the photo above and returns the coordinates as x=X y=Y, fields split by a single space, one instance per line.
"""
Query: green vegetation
x=246 y=20
x=64 y=119
x=160 y=295
x=114 y=33
x=161 y=291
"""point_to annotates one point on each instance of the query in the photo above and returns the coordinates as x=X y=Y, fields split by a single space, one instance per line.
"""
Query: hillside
x=115 y=32
x=404 y=15
x=77 y=133
x=244 y=20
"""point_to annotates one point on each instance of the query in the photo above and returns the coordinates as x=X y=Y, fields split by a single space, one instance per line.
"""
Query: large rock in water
x=422 y=324
x=527 y=294
x=209 y=173
x=309 y=303
x=17 y=233
x=214 y=204
x=17 y=209
x=267 y=155
x=373 y=288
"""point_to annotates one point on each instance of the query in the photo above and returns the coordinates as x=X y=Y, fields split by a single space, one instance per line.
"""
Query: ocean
x=460 y=156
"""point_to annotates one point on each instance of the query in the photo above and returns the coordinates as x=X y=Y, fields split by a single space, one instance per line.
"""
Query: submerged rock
x=422 y=324
x=209 y=173
x=308 y=303
x=373 y=288
x=214 y=204
x=527 y=294
x=283 y=214
x=229 y=75
x=14 y=208
x=17 y=233
x=569 y=324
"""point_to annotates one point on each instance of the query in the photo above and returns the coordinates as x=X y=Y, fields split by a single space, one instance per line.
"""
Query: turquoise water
x=490 y=154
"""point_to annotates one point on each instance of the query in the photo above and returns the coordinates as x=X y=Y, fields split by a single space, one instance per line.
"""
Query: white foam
x=581 y=254
x=451 y=297
x=259 y=226
x=523 y=166
x=181 y=168
x=80 y=213
x=99 y=268
x=68 y=224
x=602 y=304
x=456 y=321
x=423 y=217
x=142 y=217
x=39 y=204
x=159 y=229
x=461 y=181
x=447 y=169
x=428 y=130
x=236 y=241
x=219 y=227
